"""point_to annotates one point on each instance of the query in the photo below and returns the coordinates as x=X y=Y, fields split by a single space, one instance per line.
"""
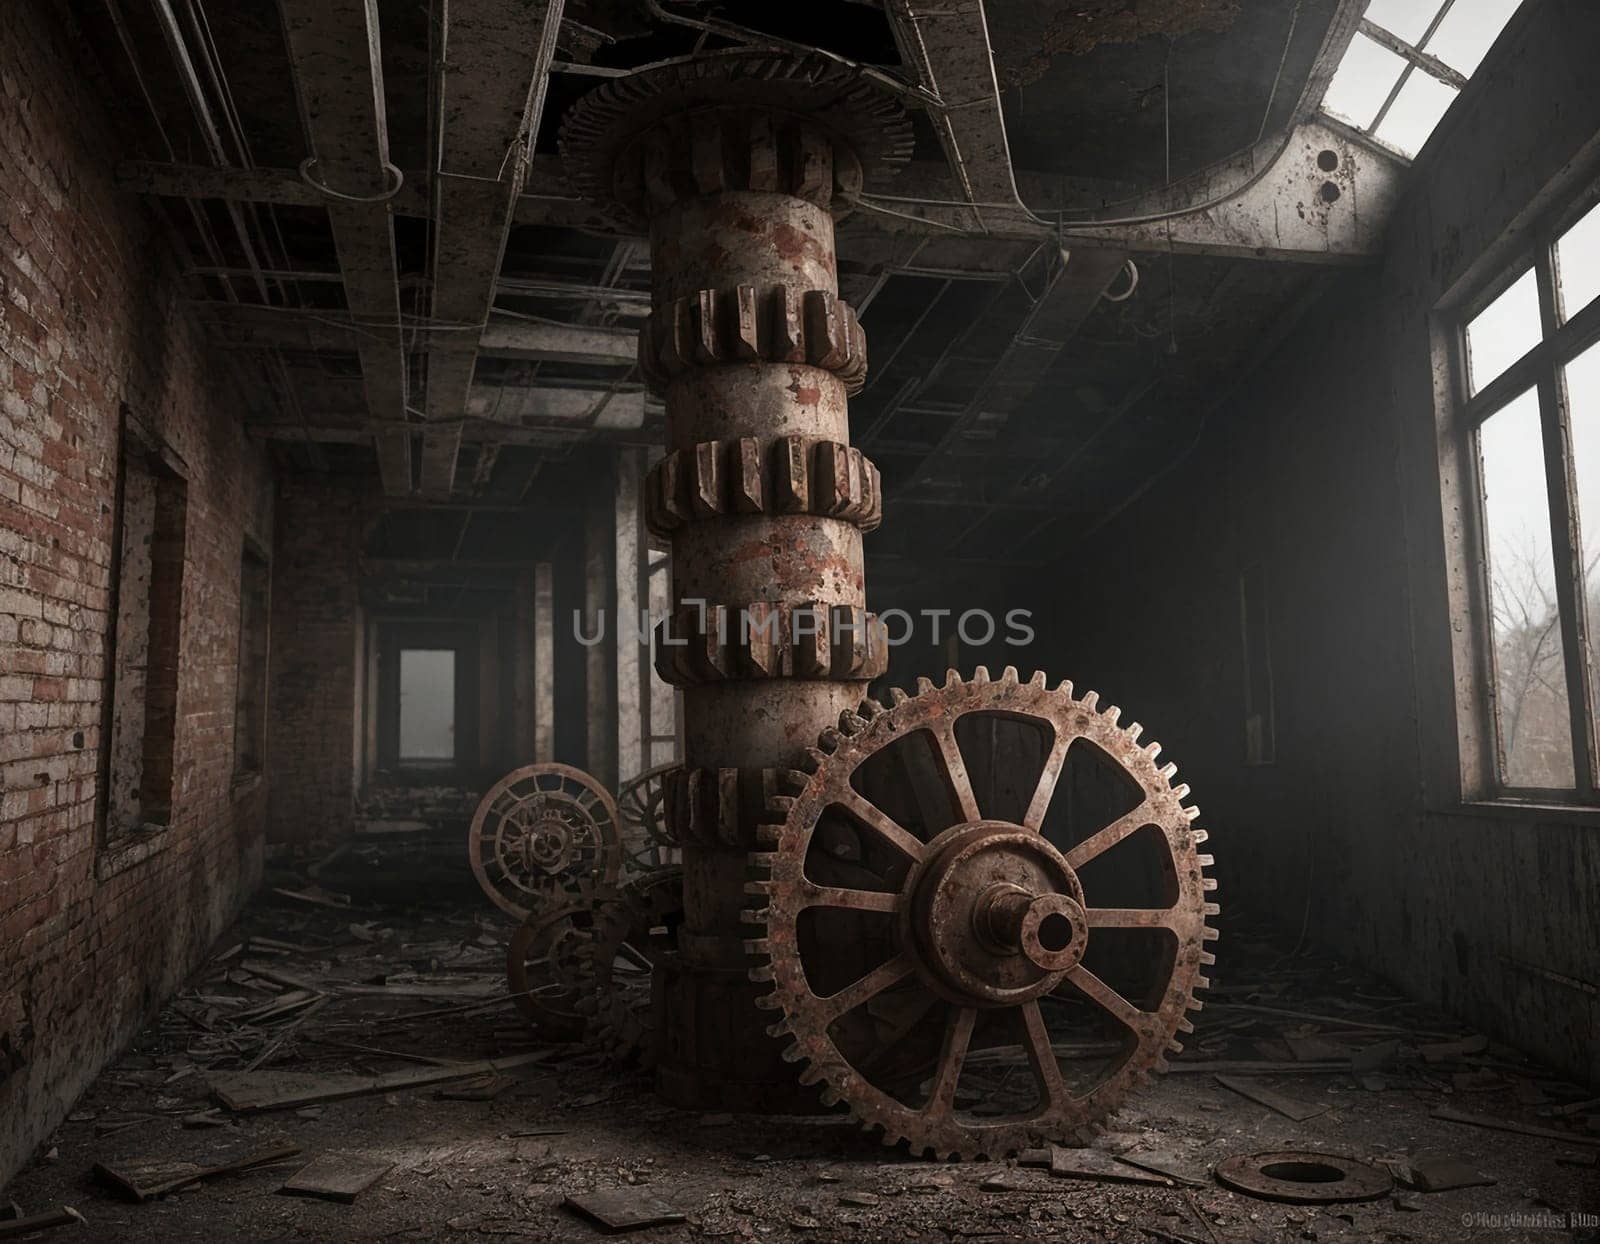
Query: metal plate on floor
x=1304 y=1177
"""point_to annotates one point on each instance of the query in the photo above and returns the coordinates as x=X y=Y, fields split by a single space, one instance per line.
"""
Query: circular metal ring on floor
x=1303 y=1177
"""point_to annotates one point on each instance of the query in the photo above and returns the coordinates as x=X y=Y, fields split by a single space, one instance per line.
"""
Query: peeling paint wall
x=1323 y=467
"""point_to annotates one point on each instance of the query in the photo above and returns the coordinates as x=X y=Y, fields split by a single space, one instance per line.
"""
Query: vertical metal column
x=734 y=162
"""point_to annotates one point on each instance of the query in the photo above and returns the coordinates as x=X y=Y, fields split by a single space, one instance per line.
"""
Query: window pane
x=1578 y=262
x=1468 y=29
x=1583 y=402
x=1503 y=332
x=1530 y=665
x=427 y=704
x=1362 y=82
x=1422 y=101
x=1407 y=18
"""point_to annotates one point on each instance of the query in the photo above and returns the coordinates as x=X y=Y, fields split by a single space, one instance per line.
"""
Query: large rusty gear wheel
x=938 y=921
x=544 y=964
x=543 y=831
x=617 y=961
x=647 y=841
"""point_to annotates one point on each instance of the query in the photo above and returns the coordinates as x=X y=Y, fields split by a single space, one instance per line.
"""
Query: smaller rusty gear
x=618 y=955
x=742 y=118
x=544 y=964
x=647 y=839
x=968 y=962
x=542 y=831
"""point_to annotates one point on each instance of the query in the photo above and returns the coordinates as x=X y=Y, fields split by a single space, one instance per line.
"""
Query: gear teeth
x=851 y=723
x=1175 y=1046
x=830 y=739
x=897 y=696
x=813 y=759
x=1207 y=933
x=1184 y=1026
x=1205 y=861
x=1191 y=812
x=1152 y=750
x=811 y=1075
x=1181 y=790
x=925 y=685
x=951 y=679
x=829 y=1097
x=769 y=835
x=1200 y=836
x=980 y=676
x=1089 y=701
x=1208 y=884
x=1036 y=680
x=870 y=710
x=1133 y=732
x=1009 y=676
x=755 y=915
x=1202 y=982
x=1112 y=715
x=779 y=1029
x=1169 y=771
x=762 y=860
x=768 y=1001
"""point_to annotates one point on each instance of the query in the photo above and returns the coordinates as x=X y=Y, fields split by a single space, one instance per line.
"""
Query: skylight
x=1410 y=60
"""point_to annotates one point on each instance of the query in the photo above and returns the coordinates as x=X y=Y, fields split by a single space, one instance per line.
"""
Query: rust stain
x=1078 y=29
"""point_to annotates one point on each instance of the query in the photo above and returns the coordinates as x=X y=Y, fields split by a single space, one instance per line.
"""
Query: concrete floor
x=461 y=1171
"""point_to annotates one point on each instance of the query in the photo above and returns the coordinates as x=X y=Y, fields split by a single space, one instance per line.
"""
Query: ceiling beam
x=493 y=68
x=335 y=53
x=312 y=329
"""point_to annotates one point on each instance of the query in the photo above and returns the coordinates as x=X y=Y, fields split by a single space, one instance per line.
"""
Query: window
x=1530 y=397
x=427 y=705
x=142 y=662
x=250 y=696
x=1410 y=60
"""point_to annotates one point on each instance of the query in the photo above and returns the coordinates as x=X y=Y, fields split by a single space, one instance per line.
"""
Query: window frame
x=1540 y=370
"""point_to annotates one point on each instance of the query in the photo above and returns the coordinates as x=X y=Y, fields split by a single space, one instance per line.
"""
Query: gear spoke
x=1133 y=917
x=955 y=772
x=1042 y=1055
x=853 y=900
x=952 y=1058
x=1033 y=818
x=1108 y=999
x=869 y=986
x=1099 y=843
x=881 y=823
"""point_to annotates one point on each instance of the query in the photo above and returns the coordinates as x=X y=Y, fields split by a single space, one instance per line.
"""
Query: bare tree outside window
x=1531 y=405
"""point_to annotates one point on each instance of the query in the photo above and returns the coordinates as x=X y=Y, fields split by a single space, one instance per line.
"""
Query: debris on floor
x=383 y=1049
x=337 y=1178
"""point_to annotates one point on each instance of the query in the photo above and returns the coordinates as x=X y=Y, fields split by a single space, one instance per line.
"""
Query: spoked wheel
x=641 y=803
x=543 y=831
x=544 y=967
x=985 y=915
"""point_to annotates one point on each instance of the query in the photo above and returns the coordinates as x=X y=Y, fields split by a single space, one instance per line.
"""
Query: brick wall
x=311 y=695
x=90 y=319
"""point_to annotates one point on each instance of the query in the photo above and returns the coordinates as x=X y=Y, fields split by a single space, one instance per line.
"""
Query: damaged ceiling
x=454 y=334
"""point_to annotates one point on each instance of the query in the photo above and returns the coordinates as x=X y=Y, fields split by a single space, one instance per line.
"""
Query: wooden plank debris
x=1166 y=1162
x=1288 y=1107
x=1437 y=1172
x=1452 y=1115
x=484 y=1088
x=1094 y=1164
x=336 y=1177
x=624 y=1209
x=247 y=1092
x=1445 y=1051
x=143 y=1180
x=66 y=1216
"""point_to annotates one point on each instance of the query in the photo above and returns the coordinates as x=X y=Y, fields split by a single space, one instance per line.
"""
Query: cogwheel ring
x=544 y=964
x=617 y=960
x=924 y=843
x=541 y=831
